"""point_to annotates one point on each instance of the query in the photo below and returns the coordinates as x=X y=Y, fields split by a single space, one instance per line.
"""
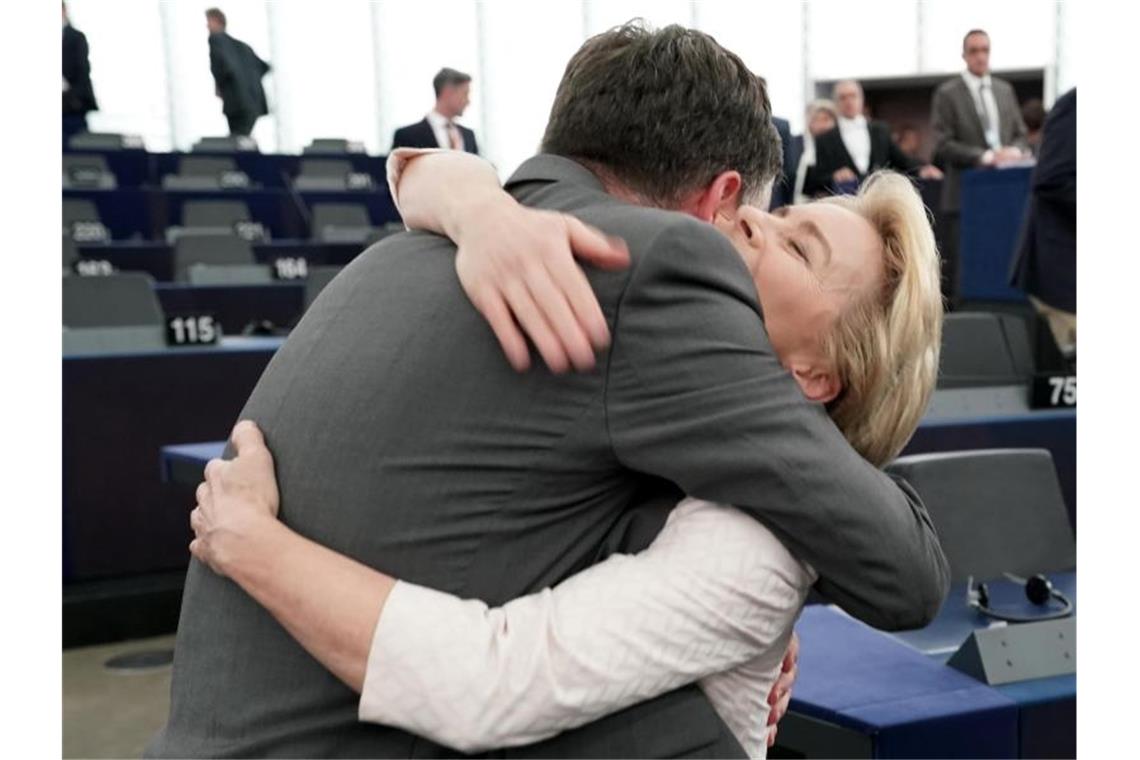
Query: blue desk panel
x=128 y=213
x=119 y=518
x=132 y=168
x=993 y=204
x=861 y=679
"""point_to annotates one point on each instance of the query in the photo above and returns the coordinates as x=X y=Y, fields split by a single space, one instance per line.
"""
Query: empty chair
x=218 y=260
x=215 y=218
x=70 y=254
x=119 y=312
x=206 y=173
x=104 y=141
x=87 y=170
x=82 y=223
x=319 y=174
x=214 y=214
x=225 y=144
x=333 y=146
x=980 y=349
x=318 y=278
x=205 y=166
x=341 y=223
x=995 y=511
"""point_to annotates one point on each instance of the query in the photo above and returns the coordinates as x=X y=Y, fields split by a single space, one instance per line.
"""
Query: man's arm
x=219 y=64
x=896 y=159
x=696 y=395
x=1020 y=131
x=1055 y=176
x=947 y=147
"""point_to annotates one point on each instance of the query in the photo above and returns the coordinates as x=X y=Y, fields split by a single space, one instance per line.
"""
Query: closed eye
x=800 y=251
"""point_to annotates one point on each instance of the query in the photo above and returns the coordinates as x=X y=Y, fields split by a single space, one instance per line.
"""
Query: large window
x=325 y=72
x=128 y=68
x=413 y=41
x=518 y=97
x=768 y=37
x=196 y=111
x=361 y=68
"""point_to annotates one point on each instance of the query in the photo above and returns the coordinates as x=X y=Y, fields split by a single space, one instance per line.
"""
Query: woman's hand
x=781 y=695
x=237 y=501
x=517 y=266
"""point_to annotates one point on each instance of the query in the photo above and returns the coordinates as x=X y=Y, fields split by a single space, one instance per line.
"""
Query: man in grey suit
x=976 y=123
x=404 y=440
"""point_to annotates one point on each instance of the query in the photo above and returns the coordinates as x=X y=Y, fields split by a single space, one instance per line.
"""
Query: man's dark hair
x=217 y=15
x=970 y=34
x=663 y=112
x=1033 y=114
x=448 y=78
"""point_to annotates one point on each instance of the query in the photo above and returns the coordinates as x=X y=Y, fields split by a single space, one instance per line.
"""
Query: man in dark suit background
x=237 y=74
x=78 y=94
x=976 y=123
x=439 y=129
x=1045 y=264
x=856 y=147
x=784 y=186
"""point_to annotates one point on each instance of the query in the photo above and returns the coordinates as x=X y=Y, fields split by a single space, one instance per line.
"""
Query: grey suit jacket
x=960 y=140
x=403 y=439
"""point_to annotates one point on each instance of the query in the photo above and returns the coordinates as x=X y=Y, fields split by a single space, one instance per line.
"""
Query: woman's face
x=807 y=261
x=821 y=121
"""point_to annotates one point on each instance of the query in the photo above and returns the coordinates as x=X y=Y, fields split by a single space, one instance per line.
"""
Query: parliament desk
x=144 y=213
x=137 y=168
x=132 y=167
x=993 y=205
x=157 y=259
x=278 y=305
x=274 y=170
x=125 y=531
x=864 y=693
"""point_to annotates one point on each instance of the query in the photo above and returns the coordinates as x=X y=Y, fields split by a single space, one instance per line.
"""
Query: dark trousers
x=241 y=123
x=73 y=124
x=949 y=226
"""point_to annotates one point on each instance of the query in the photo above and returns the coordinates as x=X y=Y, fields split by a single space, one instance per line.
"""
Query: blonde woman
x=852 y=306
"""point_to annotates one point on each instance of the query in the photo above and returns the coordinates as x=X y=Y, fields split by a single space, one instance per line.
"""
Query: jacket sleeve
x=696 y=395
x=948 y=149
x=713 y=591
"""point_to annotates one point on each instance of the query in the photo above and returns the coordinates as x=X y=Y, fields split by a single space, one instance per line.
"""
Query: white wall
x=361 y=68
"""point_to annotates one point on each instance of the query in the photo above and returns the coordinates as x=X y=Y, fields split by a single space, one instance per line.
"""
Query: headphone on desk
x=1038 y=590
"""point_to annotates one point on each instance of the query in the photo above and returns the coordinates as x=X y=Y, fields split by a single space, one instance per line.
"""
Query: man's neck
x=447 y=115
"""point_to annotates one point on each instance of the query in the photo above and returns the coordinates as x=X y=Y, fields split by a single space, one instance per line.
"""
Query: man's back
x=403 y=439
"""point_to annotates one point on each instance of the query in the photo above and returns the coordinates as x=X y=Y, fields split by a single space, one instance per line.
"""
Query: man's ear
x=817 y=384
x=722 y=194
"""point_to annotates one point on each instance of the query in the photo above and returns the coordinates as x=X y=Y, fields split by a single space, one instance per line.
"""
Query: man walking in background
x=439 y=129
x=976 y=122
x=237 y=74
x=78 y=94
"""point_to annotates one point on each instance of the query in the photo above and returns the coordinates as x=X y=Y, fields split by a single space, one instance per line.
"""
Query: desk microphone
x=1038 y=590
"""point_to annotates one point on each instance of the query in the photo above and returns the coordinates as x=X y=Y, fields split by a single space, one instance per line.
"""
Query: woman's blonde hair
x=885 y=347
